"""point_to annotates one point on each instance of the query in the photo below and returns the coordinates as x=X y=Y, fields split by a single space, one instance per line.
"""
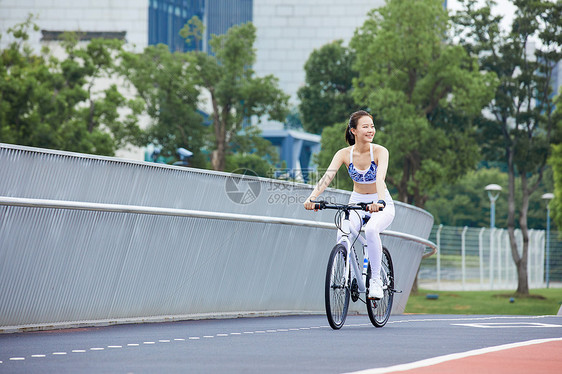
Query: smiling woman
x=367 y=164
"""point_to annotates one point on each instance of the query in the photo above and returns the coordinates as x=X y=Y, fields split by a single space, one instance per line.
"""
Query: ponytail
x=349 y=137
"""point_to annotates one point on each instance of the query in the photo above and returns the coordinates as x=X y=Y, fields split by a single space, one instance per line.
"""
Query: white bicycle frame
x=361 y=277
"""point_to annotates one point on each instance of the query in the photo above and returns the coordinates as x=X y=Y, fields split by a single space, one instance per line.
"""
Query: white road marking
x=505 y=325
x=179 y=340
x=454 y=356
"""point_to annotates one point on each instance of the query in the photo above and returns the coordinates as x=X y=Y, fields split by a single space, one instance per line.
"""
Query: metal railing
x=115 y=208
x=87 y=238
x=474 y=258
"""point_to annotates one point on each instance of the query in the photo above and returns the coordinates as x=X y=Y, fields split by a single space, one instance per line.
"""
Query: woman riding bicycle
x=367 y=164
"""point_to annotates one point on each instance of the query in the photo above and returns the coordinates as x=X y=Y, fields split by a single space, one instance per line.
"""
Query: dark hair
x=352 y=124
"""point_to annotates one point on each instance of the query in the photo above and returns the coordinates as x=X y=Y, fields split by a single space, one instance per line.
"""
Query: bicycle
x=344 y=280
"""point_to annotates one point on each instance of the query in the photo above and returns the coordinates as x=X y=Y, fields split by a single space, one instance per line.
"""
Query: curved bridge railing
x=83 y=240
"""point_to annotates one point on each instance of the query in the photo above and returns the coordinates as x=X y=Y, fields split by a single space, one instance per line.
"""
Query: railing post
x=480 y=257
x=439 y=256
x=492 y=258
x=463 y=255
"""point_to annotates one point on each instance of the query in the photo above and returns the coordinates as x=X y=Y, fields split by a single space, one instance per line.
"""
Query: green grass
x=544 y=301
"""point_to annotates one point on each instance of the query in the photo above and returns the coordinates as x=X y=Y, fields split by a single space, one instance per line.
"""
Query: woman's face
x=365 y=130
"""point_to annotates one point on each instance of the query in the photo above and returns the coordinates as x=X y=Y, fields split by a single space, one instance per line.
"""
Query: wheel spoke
x=379 y=310
x=337 y=293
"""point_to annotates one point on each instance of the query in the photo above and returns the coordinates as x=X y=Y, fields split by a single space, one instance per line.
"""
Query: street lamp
x=493 y=193
x=548 y=196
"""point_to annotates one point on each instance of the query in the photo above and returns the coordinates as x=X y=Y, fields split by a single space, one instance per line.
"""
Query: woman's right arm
x=325 y=181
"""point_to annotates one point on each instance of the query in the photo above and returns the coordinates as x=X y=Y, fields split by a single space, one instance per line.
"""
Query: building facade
x=127 y=17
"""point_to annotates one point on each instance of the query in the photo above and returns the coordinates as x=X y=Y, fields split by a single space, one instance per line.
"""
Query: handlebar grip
x=364 y=205
x=319 y=205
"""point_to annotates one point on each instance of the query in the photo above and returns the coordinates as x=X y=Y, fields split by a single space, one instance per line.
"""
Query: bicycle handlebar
x=319 y=205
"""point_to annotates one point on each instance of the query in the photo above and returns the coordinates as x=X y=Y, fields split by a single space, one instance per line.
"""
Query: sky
x=504 y=8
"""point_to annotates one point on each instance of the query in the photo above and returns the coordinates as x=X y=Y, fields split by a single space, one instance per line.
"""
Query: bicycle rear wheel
x=379 y=310
x=336 y=292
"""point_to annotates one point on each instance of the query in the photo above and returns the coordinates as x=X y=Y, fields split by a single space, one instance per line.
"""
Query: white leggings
x=378 y=222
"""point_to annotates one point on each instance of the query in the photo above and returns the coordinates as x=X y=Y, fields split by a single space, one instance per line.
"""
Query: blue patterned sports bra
x=368 y=176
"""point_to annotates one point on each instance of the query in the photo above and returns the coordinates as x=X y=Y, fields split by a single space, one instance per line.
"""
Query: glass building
x=167 y=17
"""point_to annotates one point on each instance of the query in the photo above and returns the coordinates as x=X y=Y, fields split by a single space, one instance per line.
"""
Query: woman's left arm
x=382 y=167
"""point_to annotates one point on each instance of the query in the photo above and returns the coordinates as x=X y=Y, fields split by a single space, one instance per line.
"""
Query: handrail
x=119 y=208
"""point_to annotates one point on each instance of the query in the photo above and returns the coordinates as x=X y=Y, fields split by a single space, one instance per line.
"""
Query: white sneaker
x=375 y=288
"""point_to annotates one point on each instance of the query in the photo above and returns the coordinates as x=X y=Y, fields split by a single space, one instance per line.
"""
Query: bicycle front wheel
x=336 y=292
x=379 y=310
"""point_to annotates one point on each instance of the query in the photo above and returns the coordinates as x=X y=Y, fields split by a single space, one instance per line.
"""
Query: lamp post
x=547 y=197
x=493 y=193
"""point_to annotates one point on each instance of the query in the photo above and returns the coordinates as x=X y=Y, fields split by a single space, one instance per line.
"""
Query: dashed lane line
x=271 y=331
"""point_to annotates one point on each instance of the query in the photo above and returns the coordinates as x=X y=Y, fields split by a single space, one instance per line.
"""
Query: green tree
x=251 y=151
x=166 y=85
x=424 y=93
x=237 y=94
x=326 y=97
x=521 y=121
x=465 y=203
x=192 y=32
x=556 y=205
x=58 y=104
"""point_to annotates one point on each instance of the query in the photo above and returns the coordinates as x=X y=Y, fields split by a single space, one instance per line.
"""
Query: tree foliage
x=166 y=86
x=237 y=94
x=521 y=119
x=424 y=93
x=60 y=104
x=326 y=97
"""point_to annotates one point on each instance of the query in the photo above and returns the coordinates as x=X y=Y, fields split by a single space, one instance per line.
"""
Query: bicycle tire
x=379 y=310
x=336 y=291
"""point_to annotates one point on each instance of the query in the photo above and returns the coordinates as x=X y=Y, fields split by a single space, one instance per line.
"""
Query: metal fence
x=480 y=259
x=87 y=239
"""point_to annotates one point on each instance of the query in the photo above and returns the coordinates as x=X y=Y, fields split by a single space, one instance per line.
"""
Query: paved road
x=296 y=344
